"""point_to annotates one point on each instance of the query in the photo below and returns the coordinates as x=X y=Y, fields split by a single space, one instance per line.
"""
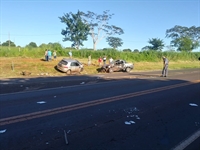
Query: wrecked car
x=116 y=66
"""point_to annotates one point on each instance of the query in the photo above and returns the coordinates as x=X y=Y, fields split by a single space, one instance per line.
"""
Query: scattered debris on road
x=66 y=140
x=41 y=102
x=3 y=131
x=192 y=104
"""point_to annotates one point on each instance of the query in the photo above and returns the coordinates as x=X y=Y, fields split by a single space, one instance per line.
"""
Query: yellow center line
x=49 y=112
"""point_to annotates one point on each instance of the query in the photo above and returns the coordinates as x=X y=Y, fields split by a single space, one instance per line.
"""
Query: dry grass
x=144 y=66
x=13 y=67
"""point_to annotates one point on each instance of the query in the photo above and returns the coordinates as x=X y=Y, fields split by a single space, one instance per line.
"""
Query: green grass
x=146 y=56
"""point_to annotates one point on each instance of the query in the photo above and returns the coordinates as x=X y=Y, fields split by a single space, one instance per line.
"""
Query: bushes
x=149 y=56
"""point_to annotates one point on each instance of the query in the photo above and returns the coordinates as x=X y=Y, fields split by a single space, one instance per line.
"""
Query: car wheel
x=103 y=70
x=80 y=70
x=128 y=69
x=68 y=72
x=110 y=70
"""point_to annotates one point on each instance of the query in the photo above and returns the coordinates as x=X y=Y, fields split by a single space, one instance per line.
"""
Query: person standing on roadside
x=110 y=60
x=54 y=55
x=165 y=67
x=46 y=55
x=89 y=60
x=49 y=55
x=100 y=60
x=104 y=60
x=70 y=54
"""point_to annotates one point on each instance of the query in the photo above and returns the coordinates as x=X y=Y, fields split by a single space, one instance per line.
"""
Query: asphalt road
x=141 y=111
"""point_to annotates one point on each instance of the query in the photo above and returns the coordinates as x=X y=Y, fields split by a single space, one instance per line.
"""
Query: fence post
x=12 y=66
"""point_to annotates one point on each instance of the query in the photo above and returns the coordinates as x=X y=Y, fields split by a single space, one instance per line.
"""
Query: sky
x=25 y=21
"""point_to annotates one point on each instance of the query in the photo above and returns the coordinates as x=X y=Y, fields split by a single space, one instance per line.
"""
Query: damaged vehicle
x=117 y=65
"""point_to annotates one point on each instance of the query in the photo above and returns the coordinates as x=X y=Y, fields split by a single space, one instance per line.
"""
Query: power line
x=33 y=34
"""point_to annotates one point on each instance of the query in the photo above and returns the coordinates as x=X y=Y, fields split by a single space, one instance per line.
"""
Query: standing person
x=46 y=55
x=49 y=55
x=54 y=55
x=100 y=60
x=104 y=60
x=165 y=67
x=89 y=60
x=70 y=54
x=110 y=60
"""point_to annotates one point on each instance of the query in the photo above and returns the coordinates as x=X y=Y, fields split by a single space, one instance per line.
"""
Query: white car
x=69 y=65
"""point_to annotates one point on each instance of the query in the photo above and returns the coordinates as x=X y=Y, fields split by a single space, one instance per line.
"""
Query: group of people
x=48 y=55
x=100 y=60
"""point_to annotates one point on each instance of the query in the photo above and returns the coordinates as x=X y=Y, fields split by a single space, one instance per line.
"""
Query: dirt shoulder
x=18 y=67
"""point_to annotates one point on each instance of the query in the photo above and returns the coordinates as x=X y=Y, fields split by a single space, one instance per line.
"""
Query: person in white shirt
x=110 y=60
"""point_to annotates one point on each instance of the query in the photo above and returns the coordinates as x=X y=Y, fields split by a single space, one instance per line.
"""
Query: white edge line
x=188 y=141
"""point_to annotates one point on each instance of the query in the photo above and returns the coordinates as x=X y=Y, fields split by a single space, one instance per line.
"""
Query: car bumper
x=62 y=69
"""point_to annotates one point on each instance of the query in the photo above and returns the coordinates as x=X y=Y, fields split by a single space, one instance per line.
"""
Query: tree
x=32 y=44
x=43 y=46
x=127 y=50
x=157 y=44
x=108 y=49
x=99 y=27
x=9 y=43
x=184 y=44
x=146 y=48
x=76 y=30
x=184 y=38
x=55 y=46
x=136 y=51
x=114 y=42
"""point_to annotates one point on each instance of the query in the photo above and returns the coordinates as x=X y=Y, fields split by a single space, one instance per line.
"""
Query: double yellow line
x=25 y=117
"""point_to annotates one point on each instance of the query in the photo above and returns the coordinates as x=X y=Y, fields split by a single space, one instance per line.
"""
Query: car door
x=118 y=66
x=75 y=67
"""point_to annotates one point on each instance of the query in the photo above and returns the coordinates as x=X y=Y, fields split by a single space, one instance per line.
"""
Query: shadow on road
x=11 y=85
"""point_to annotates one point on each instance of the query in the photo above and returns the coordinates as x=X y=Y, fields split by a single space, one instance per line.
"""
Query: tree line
x=80 y=25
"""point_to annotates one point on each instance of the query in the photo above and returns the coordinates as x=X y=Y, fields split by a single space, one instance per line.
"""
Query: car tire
x=110 y=70
x=103 y=70
x=68 y=72
x=128 y=69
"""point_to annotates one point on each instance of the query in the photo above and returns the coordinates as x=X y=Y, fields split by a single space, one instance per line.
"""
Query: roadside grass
x=11 y=67
x=145 y=66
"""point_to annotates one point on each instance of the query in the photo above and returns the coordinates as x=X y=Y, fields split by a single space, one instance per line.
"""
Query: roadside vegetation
x=80 y=26
x=16 y=60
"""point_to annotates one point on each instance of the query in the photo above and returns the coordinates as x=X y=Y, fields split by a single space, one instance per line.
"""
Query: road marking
x=188 y=141
x=58 y=110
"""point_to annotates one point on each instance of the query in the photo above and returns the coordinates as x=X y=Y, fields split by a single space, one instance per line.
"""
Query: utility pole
x=9 y=40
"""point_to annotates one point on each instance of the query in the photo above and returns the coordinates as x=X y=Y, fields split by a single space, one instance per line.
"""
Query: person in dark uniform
x=165 y=67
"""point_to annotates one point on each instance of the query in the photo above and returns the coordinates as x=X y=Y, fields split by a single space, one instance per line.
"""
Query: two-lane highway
x=138 y=111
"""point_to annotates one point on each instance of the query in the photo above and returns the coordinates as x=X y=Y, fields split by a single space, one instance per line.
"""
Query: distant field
x=13 y=67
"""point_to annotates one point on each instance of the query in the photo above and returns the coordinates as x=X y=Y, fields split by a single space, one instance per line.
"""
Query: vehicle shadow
x=12 y=85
